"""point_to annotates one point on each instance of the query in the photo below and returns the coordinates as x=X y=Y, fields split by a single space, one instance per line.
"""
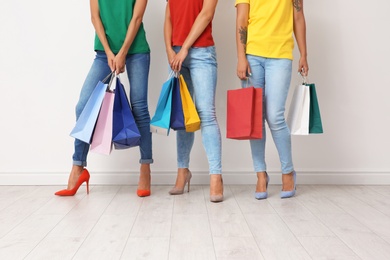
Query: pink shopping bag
x=102 y=136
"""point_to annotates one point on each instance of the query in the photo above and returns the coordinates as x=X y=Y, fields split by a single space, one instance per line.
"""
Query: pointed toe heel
x=263 y=195
x=84 y=177
x=290 y=193
x=178 y=191
x=217 y=197
x=143 y=193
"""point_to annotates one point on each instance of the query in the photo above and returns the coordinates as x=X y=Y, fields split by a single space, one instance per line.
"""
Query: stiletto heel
x=84 y=177
x=177 y=191
x=217 y=197
x=263 y=195
x=290 y=193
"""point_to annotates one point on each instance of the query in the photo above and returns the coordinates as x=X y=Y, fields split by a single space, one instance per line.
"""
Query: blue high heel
x=290 y=193
x=264 y=194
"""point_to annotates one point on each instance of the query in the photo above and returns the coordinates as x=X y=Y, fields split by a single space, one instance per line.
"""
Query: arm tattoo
x=243 y=31
x=298 y=5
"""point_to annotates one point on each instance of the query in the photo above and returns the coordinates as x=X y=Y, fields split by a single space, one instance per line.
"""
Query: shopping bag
x=299 y=112
x=244 y=118
x=160 y=122
x=86 y=122
x=191 y=117
x=315 y=123
x=177 y=116
x=125 y=133
x=102 y=136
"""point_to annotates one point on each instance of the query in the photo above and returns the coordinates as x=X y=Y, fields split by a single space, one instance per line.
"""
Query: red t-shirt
x=183 y=15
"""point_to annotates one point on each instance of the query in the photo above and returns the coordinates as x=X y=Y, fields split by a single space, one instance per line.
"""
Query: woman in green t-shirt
x=120 y=46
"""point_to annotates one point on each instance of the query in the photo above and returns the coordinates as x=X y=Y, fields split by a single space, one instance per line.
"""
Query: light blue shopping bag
x=86 y=122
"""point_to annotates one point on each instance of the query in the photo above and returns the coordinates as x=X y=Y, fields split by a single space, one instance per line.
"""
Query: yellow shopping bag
x=191 y=117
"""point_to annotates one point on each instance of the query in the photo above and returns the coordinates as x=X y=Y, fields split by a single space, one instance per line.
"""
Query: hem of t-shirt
x=196 y=46
x=208 y=43
x=129 y=52
x=270 y=56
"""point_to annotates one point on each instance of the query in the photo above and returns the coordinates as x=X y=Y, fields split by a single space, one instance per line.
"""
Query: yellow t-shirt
x=270 y=28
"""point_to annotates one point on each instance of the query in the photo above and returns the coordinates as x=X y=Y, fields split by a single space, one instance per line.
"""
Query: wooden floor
x=321 y=222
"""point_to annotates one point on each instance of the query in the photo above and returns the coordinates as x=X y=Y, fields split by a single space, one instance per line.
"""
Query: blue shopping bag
x=86 y=122
x=160 y=122
x=177 y=115
x=125 y=133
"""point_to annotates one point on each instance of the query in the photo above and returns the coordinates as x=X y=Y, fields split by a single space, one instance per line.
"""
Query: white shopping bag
x=299 y=112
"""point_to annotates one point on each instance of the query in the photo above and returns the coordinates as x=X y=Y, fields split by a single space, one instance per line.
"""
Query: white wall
x=46 y=49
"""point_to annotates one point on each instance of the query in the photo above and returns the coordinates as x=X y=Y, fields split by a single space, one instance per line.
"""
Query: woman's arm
x=132 y=30
x=168 y=34
x=99 y=28
x=202 y=20
x=242 y=16
x=300 y=36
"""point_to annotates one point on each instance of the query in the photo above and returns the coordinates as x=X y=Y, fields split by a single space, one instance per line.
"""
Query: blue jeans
x=137 y=67
x=199 y=70
x=274 y=76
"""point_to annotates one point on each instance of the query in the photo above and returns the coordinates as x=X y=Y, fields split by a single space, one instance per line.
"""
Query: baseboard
x=230 y=178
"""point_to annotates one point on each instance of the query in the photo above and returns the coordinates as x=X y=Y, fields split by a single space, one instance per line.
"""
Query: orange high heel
x=84 y=177
x=144 y=193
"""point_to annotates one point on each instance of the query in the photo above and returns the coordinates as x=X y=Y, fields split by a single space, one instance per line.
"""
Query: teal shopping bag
x=315 y=123
x=160 y=122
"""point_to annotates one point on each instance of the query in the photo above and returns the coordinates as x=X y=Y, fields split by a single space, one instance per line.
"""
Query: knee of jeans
x=141 y=114
x=207 y=117
x=276 y=120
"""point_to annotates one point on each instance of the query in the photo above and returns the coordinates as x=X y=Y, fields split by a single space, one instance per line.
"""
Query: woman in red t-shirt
x=190 y=50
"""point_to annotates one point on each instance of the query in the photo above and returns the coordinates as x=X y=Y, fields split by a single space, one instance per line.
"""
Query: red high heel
x=84 y=177
x=144 y=193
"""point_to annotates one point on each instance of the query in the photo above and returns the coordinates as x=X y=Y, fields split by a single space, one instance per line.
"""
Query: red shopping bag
x=244 y=113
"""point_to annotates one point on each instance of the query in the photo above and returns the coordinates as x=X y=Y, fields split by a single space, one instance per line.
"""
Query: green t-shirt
x=116 y=16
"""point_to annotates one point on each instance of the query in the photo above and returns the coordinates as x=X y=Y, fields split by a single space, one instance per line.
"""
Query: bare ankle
x=145 y=168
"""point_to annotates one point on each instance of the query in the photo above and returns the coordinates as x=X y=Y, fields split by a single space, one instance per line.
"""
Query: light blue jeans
x=137 y=67
x=199 y=70
x=274 y=76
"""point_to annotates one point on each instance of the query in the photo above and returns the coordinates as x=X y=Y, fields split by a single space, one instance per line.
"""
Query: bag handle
x=112 y=84
x=107 y=77
x=304 y=78
x=172 y=73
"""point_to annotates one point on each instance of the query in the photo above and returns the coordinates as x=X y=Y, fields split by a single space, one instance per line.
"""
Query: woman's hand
x=303 y=67
x=243 y=69
x=177 y=60
x=119 y=63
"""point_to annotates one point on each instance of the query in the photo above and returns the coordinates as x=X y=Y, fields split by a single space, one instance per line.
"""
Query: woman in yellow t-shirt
x=265 y=44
